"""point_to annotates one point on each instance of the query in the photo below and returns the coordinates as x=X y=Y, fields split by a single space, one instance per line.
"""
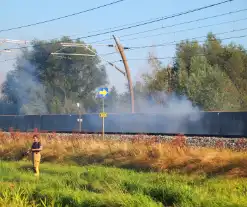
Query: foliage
x=206 y=86
x=54 y=84
x=139 y=152
x=211 y=75
x=66 y=185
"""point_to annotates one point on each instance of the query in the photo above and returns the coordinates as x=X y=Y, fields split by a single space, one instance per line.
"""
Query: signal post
x=102 y=93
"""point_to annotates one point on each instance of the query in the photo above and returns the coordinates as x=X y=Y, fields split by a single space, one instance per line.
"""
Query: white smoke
x=168 y=112
x=27 y=89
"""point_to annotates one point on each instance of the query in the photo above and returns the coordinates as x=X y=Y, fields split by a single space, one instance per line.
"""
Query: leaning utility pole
x=127 y=70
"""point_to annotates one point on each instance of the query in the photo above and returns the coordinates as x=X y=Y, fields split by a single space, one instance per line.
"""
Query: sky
x=17 y=13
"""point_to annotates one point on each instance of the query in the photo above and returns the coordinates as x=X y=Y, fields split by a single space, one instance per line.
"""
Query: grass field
x=61 y=185
x=89 y=171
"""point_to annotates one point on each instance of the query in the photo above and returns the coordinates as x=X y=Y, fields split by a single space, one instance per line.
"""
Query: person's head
x=35 y=138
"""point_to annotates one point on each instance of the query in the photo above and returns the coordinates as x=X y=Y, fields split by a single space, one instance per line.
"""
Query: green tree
x=232 y=59
x=185 y=51
x=206 y=86
x=64 y=80
x=211 y=75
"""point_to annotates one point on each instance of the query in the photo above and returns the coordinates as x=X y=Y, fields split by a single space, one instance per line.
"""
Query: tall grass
x=138 y=152
x=70 y=177
x=74 y=186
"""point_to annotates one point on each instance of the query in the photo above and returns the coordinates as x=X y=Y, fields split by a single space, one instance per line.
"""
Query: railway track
x=238 y=143
x=232 y=142
x=151 y=134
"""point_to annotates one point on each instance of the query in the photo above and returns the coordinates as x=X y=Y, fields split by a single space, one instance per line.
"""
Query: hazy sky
x=16 y=13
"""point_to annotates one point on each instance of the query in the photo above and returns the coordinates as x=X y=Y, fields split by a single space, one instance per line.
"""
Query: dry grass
x=138 y=153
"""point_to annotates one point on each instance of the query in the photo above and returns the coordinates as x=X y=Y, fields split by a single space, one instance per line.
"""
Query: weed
x=66 y=185
x=140 y=152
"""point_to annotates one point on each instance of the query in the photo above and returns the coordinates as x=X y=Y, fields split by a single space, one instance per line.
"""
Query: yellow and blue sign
x=102 y=92
x=103 y=115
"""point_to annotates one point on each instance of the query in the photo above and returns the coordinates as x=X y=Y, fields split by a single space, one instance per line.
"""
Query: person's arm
x=40 y=147
x=28 y=151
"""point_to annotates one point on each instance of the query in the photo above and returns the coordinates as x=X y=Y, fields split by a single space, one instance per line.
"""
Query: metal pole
x=121 y=51
x=80 y=120
x=103 y=119
x=95 y=53
x=71 y=54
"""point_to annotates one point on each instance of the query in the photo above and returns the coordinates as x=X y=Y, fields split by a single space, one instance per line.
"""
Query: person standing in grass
x=36 y=156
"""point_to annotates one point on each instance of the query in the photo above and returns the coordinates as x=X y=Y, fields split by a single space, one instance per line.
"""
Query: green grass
x=65 y=185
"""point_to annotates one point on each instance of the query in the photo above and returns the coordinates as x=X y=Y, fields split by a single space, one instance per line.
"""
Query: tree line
x=211 y=75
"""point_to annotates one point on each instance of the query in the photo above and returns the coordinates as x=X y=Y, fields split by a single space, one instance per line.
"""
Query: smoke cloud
x=155 y=112
x=24 y=86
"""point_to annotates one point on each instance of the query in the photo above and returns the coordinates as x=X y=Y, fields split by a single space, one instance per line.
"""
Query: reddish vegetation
x=179 y=140
x=139 y=151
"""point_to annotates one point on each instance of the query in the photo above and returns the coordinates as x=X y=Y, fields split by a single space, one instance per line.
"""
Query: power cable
x=163 y=44
x=157 y=20
x=119 y=26
x=1 y=61
x=170 y=57
x=174 y=42
x=63 y=17
x=123 y=25
x=145 y=23
x=185 y=30
x=8 y=60
x=173 y=25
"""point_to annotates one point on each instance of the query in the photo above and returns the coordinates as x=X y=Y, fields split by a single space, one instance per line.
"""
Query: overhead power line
x=169 y=57
x=172 y=57
x=159 y=19
x=164 y=44
x=123 y=25
x=137 y=25
x=1 y=61
x=147 y=46
x=95 y=53
x=194 y=38
x=174 y=32
x=158 y=58
x=62 y=17
x=177 y=42
x=185 y=30
x=14 y=41
x=59 y=42
x=173 y=43
x=5 y=50
x=173 y=25
x=66 y=54
x=73 y=54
